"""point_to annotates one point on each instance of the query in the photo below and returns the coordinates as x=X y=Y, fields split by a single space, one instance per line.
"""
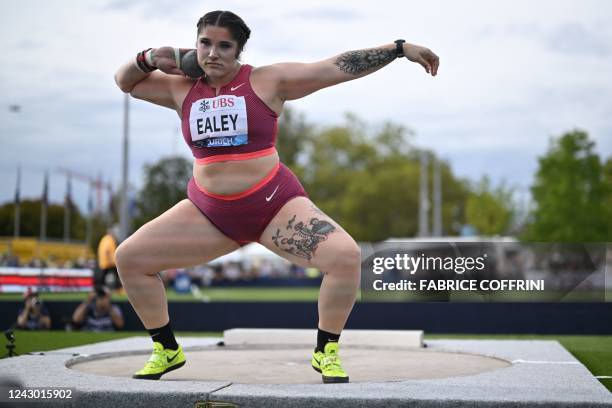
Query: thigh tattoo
x=301 y=239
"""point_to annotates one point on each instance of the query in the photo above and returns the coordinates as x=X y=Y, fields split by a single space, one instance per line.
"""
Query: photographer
x=97 y=313
x=34 y=315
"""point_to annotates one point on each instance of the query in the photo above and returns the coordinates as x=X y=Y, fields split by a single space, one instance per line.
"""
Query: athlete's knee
x=120 y=257
x=346 y=259
x=125 y=255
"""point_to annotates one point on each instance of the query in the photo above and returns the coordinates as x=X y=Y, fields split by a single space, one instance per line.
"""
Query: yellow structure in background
x=28 y=248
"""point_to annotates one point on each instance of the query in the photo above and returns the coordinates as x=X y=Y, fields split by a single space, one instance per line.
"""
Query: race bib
x=219 y=121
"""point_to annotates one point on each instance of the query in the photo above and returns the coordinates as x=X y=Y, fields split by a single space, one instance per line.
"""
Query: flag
x=88 y=227
x=111 y=205
x=90 y=202
x=18 y=187
x=44 y=202
x=45 y=192
x=17 y=203
x=67 y=204
x=68 y=190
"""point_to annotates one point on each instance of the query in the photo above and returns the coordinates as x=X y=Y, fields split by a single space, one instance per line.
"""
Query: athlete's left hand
x=423 y=56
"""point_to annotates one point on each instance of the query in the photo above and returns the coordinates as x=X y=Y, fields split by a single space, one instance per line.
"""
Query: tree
x=367 y=179
x=293 y=134
x=607 y=176
x=165 y=185
x=569 y=193
x=334 y=157
x=489 y=209
x=380 y=202
x=30 y=220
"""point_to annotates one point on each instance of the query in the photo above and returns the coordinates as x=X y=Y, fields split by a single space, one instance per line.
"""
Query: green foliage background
x=572 y=193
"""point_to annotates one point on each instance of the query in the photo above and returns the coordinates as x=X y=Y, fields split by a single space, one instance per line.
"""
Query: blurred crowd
x=238 y=272
x=9 y=260
x=202 y=275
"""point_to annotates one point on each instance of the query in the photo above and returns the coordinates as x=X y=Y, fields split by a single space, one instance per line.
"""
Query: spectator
x=202 y=274
x=106 y=274
x=232 y=271
x=51 y=262
x=97 y=313
x=37 y=263
x=33 y=315
x=265 y=270
x=7 y=259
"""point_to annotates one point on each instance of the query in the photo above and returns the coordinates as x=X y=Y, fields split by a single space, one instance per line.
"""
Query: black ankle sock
x=324 y=337
x=165 y=336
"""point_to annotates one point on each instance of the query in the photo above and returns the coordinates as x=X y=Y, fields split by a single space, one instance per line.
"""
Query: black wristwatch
x=399 y=48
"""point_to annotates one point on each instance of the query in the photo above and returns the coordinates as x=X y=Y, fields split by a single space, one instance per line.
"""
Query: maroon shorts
x=243 y=217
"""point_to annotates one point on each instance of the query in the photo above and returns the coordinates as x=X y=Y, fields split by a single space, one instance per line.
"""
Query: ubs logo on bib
x=219 y=121
x=204 y=105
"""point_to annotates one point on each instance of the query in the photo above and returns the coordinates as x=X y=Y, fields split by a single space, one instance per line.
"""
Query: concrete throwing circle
x=291 y=364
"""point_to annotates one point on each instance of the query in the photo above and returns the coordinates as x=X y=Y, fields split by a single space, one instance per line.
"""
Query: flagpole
x=17 y=203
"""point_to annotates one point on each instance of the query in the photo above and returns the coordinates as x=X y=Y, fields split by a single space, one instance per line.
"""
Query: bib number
x=219 y=121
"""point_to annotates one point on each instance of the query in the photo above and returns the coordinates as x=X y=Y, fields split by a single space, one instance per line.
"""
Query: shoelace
x=330 y=362
x=156 y=359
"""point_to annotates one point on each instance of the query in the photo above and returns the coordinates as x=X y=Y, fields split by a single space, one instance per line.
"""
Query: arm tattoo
x=358 y=62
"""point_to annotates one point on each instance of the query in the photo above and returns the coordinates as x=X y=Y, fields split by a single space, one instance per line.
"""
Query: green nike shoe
x=327 y=362
x=161 y=361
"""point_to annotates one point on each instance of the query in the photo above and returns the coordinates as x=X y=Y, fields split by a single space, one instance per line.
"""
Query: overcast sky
x=513 y=74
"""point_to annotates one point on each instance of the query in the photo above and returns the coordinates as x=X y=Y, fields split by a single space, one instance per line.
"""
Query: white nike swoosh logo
x=233 y=88
x=272 y=195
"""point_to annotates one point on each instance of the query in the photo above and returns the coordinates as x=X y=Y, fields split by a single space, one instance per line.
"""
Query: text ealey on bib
x=219 y=121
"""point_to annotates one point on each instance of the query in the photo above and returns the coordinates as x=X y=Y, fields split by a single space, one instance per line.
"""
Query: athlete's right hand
x=423 y=56
x=164 y=59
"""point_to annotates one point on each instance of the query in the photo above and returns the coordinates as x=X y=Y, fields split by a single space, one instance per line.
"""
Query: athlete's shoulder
x=264 y=81
x=266 y=73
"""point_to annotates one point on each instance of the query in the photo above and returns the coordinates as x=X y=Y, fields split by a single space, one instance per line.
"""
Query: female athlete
x=240 y=192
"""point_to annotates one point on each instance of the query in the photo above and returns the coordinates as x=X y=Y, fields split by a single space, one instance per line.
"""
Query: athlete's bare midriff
x=233 y=177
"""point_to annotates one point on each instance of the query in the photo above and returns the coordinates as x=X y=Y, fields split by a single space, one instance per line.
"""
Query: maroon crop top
x=235 y=125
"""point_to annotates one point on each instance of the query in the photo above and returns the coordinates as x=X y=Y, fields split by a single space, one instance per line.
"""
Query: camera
x=101 y=293
x=10 y=345
x=10 y=336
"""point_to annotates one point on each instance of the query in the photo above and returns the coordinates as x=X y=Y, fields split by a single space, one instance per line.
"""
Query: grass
x=310 y=294
x=276 y=294
x=595 y=352
x=29 y=341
